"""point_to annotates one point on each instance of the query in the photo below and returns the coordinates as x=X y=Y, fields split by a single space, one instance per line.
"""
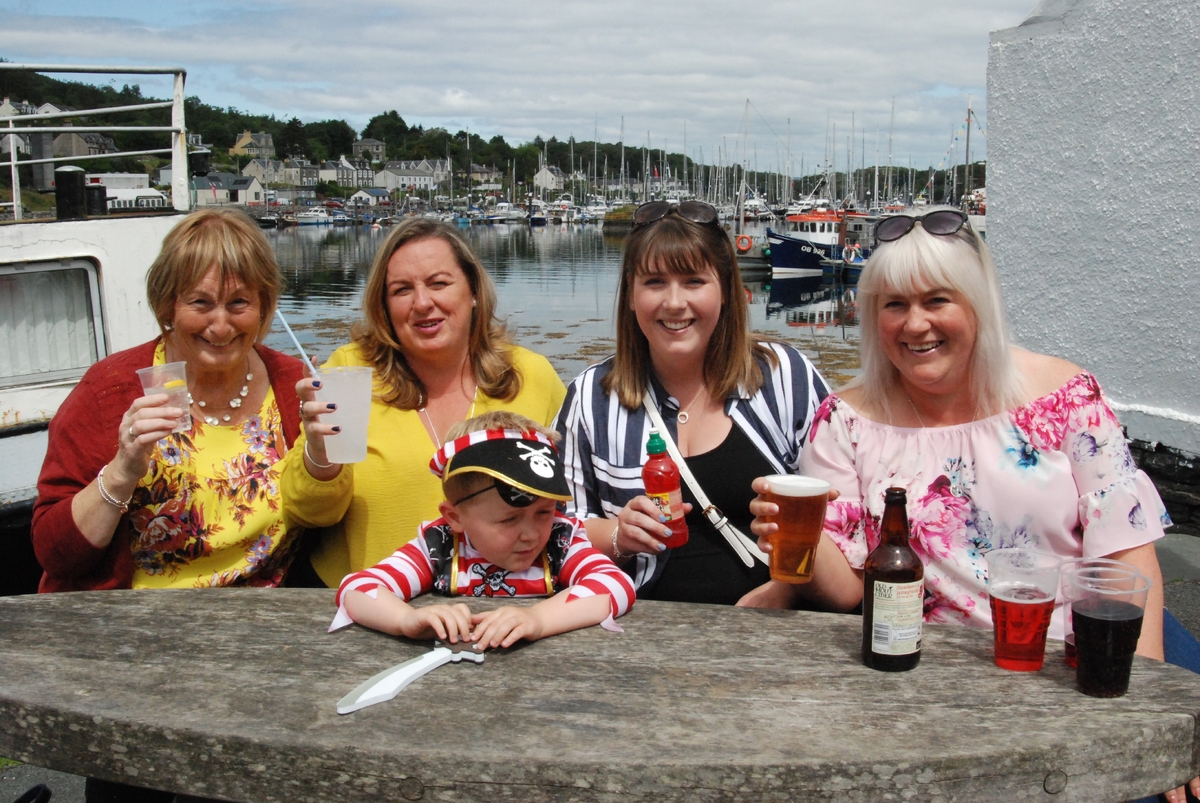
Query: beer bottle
x=660 y=476
x=893 y=594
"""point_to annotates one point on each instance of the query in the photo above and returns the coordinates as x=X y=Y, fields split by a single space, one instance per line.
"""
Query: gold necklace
x=683 y=414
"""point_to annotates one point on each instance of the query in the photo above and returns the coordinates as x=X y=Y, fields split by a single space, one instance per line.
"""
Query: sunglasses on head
x=943 y=223
x=693 y=211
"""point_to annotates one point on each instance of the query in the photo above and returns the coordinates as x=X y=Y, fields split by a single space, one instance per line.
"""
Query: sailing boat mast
x=967 y=156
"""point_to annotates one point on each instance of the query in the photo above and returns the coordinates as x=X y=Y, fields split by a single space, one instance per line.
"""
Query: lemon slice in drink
x=171 y=384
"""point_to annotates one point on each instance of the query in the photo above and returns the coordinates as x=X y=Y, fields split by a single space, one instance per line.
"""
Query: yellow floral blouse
x=209 y=510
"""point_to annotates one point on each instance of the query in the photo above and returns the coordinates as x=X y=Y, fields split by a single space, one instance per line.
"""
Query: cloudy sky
x=670 y=69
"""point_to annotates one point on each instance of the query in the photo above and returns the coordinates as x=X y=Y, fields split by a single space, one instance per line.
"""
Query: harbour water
x=557 y=290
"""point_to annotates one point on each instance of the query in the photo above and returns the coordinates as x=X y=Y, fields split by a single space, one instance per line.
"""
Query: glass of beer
x=1106 y=613
x=1022 y=585
x=1089 y=566
x=801 y=502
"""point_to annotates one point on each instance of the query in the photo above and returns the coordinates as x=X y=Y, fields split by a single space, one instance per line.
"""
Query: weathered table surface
x=231 y=694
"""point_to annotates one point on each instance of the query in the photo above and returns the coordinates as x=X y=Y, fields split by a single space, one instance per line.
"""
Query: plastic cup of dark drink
x=801 y=502
x=1022 y=587
x=1106 y=613
x=1089 y=566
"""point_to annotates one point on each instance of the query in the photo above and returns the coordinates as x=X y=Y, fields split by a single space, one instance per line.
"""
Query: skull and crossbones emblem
x=494 y=584
x=539 y=460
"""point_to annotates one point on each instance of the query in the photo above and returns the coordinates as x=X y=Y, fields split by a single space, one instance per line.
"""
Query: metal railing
x=180 y=195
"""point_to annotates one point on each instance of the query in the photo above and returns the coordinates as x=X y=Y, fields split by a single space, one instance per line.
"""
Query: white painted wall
x=1093 y=168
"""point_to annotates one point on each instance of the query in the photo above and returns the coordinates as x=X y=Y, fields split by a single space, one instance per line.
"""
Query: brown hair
x=674 y=245
x=488 y=344
x=226 y=239
x=468 y=482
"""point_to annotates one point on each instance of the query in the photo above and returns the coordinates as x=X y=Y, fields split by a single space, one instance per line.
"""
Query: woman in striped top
x=737 y=409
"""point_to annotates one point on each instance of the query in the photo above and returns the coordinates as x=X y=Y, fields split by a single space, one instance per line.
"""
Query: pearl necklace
x=233 y=404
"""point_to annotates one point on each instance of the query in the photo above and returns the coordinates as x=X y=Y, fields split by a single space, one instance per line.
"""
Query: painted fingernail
x=337 y=429
x=316 y=384
x=661 y=546
x=661 y=518
x=331 y=406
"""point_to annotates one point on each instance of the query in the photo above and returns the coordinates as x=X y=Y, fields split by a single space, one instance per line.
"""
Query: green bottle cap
x=656 y=445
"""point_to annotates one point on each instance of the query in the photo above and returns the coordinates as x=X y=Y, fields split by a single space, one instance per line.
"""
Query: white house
x=392 y=178
x=267 y=171
x=224 y=189
x=549 y=178
x=336 y=173
x=370 y=196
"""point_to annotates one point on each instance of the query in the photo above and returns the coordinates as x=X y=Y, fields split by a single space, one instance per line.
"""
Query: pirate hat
x=525 y=465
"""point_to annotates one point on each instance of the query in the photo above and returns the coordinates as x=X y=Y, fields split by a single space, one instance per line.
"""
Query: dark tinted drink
x=1020 y=617
x=1106 y=637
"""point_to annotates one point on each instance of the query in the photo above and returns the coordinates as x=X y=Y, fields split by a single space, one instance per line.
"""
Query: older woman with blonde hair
x=737 y=408
x=440 y=355
x=996 y=446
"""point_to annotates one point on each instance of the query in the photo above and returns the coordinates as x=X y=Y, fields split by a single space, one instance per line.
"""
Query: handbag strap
x=745 y=548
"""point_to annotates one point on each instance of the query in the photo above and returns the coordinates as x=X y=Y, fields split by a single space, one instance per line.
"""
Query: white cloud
x=563 y=68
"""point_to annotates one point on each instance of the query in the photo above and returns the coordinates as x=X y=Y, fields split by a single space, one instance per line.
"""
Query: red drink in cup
x=1022 y=584
x=1021 y=617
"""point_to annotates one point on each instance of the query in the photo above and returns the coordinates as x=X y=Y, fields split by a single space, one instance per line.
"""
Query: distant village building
x=11 y=109
x=393 y=178
x=196 y=141
x=85 y=144
x=440 y=168
x=131 y=199
x=336 y=173
x=364 y=174
x=549 y=178
x=224 y=189
x=260 y=144
x=267 y=171
x=371 y=196
x=301 y=173
x=481 y=174
x=372 y=149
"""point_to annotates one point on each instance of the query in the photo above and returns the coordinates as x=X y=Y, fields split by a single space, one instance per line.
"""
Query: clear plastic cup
x=1082 y=564
x=1022 y=588
x=802 y=502
x=1107 y=606
x=169 y=378
x=349 y=387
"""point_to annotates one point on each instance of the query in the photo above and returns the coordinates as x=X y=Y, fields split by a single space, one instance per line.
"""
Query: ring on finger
x=131 y=432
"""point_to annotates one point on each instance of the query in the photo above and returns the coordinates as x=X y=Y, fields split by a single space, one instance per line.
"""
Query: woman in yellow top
x=440 y=356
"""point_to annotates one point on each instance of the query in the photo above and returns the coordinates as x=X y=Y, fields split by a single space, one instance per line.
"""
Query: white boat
x=317 y=216
x=80 y=288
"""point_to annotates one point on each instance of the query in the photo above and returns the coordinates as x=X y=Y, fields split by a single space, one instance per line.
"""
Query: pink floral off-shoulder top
x=1054 y=474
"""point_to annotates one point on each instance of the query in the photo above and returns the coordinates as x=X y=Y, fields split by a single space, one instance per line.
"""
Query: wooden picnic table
x=232 y=694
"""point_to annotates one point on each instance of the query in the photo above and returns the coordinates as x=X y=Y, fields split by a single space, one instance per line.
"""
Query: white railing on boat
x=180 y=194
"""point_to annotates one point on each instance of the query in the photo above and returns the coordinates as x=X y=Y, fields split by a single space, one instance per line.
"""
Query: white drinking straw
x=292 y=335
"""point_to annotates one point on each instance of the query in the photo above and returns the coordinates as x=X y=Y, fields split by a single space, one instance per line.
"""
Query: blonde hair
x=488 y=345
x=468 y=482
x=225 y=239
x=919 y=262
x=674 y=245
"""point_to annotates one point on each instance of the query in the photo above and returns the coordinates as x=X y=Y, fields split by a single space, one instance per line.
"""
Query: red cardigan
x=83 y=438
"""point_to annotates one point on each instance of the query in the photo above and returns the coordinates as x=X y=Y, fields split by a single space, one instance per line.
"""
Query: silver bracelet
x=107 y=497
x=616 y=552
x=308 y=454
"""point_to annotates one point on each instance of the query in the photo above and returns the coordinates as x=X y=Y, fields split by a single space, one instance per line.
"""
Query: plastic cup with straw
x=349 y=387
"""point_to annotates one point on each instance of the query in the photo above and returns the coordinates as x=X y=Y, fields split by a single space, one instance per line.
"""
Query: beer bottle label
x=896 y=619
x=669 y=504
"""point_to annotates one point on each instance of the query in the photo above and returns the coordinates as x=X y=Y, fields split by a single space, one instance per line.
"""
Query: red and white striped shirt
x=446 y=563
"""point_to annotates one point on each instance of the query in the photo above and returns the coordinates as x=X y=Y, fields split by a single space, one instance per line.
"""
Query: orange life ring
x=743 y=243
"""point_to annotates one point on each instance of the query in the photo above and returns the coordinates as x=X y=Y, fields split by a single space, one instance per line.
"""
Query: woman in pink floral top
x=996 y=446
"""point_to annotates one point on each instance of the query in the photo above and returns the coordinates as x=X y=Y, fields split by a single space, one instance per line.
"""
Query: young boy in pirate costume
x=500 y=535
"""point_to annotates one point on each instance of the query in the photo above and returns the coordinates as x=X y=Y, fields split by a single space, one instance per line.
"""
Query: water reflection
x=557 y=289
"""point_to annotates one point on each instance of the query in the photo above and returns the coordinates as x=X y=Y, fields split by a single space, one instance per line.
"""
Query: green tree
x=291 y=139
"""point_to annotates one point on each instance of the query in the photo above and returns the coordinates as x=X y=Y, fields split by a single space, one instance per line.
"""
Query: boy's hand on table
x=504 y=627
x=450 y=623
